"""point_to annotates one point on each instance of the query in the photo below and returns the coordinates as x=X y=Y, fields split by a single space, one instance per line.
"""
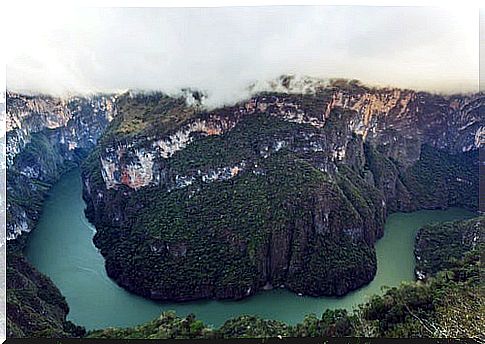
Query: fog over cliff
x=223 y=50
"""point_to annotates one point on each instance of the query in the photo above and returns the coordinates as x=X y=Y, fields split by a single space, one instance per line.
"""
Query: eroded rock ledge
x=283 y=189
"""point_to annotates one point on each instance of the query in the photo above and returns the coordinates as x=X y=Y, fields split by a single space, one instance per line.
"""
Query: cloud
x=223 y=50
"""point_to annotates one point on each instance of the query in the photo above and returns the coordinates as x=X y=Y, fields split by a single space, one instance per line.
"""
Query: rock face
x=281 y=189
x=439 y=246
x=46 y=135
x=35 y=307
x=399 y=122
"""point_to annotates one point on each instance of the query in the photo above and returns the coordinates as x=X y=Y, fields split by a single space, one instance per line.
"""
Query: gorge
x=97 y=302
x=282 y=190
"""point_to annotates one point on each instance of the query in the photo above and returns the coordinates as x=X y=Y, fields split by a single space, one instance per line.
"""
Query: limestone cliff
x=295 y=187
x=46 y=135
x=398 y=121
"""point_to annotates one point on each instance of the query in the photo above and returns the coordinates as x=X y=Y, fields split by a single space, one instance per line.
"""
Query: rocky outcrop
x=228 y=239
x=46 y=135
x=282 y=189
x=398 y=121
x=175 y=194
x=139 y=168
x=77 y=121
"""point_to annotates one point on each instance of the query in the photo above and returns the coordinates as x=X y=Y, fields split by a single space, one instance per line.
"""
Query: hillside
x=448 y=304
x=283 y=189
x=226 y=201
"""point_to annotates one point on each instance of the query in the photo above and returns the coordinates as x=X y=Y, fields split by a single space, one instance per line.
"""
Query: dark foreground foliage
x=35 y=307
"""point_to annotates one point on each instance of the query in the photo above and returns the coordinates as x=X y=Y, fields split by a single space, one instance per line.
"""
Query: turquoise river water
x=61 y=247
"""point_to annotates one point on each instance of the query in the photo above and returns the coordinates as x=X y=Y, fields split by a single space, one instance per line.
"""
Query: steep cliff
x=35 y=307
x=46 y=136
x=439 y=246
x=290 y=187
x=282 y=189
x=448 y=305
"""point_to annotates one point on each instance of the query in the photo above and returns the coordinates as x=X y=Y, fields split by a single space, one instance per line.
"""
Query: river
x=61 y=247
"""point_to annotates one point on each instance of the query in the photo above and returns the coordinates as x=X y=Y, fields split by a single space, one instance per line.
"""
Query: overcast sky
x=222 y=50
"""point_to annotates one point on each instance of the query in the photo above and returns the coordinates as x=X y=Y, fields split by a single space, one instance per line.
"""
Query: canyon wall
x=294 y=186
x=398 y=121
x=46 y=135
x=349 y=155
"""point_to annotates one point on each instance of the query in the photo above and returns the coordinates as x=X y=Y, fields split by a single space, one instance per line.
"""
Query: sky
x=223 y=50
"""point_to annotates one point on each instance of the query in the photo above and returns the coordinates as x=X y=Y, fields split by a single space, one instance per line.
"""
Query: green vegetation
x=439 y=246
x=366 y=200
x=449 y=304
x=440 y=179
x=167 y=326
x=145 y=115
x=212 y=238
x=334 y=266
x=35 y=307
x=245 y=142
x=248 y=326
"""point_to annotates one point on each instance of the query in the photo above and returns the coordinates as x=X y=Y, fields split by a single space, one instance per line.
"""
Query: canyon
x=46 y=136
x=283 y=189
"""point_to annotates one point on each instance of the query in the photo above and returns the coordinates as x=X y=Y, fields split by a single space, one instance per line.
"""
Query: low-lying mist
x=229 y=52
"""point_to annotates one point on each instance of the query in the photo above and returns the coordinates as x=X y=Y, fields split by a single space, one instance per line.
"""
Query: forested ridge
x=282 y=190
x=448 y=303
